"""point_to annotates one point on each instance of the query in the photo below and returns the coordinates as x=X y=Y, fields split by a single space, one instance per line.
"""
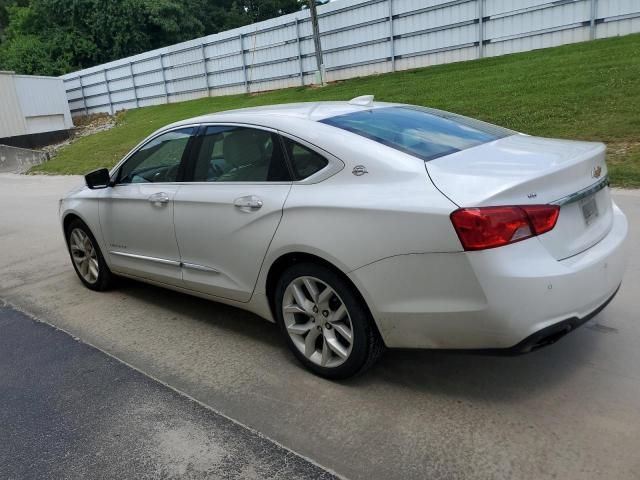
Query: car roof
x=306 y=111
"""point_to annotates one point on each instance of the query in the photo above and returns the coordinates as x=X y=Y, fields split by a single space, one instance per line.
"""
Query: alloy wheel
x=84 y=254
x=318 y=322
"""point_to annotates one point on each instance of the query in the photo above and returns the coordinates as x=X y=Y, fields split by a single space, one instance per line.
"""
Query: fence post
x=592 y=20
x=204 y=68
x=133 y=82
x=299 y=53
x=84 y=100
x=392 y=46
x=315 y=27
x=164 y=79
x=480 y=28
x=106 y=82
x=244 y=65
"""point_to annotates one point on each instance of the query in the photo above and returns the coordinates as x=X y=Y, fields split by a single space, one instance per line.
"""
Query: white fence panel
x=359 y=37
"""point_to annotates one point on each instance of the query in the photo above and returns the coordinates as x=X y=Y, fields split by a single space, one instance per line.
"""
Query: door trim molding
x=200 y=268
x=144 y=257
x=164 y=261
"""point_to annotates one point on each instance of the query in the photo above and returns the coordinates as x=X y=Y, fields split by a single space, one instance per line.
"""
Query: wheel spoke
x=93 y=271
x=325 y=295
x=293 y=308
x=300 y=328
x=300 y=298
x=326 y=353
x=311 y=288
x=77 y=239
x=84 y=266
x=344 y=330
x=335 y=346
x=339 y=313
x=310 y=342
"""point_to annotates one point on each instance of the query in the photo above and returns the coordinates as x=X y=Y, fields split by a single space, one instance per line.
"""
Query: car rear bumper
x=513 y=297
x=550 y=334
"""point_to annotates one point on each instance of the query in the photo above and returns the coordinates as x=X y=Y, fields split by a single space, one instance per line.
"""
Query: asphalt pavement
x=569 y=411
x=70 y=411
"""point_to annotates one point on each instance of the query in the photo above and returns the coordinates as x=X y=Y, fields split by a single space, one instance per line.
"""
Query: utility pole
x=316 y=39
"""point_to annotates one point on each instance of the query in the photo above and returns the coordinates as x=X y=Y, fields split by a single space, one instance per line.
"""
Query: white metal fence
x=359 y=37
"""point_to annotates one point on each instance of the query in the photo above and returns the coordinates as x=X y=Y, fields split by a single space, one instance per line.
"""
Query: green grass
x=588 y=91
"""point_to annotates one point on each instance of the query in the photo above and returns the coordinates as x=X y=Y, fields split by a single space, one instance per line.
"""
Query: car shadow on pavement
x=488 y=377
x=456 y=374
x=217 y=314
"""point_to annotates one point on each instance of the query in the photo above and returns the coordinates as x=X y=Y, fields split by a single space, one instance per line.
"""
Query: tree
x=259 y=10
x=52 y=37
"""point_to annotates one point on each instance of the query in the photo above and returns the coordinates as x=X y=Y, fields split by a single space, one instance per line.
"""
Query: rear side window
x=239 y=154
x=422 y=132
x=304 y=161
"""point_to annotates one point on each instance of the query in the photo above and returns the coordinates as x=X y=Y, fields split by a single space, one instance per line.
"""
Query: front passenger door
x=136 y=215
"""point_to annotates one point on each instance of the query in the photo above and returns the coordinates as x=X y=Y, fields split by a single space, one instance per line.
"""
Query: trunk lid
x=523 y=170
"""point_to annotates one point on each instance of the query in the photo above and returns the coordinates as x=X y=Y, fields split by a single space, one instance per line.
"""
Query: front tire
x=86 y=257
x=325 y=322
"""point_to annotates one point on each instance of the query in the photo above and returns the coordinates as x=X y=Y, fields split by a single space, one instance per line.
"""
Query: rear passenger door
x=228 y=210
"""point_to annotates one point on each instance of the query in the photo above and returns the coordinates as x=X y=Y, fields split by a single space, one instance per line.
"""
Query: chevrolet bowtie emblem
x=596 y=172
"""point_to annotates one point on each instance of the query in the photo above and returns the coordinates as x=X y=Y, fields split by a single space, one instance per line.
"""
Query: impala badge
x=596 y=172
x=359 y=170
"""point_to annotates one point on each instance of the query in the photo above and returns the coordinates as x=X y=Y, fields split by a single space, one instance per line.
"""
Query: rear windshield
x=423 y=132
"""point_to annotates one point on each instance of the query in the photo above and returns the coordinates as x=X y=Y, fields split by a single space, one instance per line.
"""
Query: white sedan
x=359 y=225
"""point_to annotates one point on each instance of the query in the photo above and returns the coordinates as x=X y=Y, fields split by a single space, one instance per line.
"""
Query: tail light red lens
x=489 y=227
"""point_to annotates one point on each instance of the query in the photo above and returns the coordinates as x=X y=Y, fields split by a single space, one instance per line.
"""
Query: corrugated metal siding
x=11 y=120
x=32 y=104
x=43 y=103
x=359 y=37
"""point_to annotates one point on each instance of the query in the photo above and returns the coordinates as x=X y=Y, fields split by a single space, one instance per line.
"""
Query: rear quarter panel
x=352 y=221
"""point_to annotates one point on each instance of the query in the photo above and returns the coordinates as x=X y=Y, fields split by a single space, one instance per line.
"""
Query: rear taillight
x=489 y=227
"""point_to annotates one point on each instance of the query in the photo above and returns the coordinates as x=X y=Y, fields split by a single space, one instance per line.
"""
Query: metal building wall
x=359 y=37
x=32 y=104
x=43 y=103
x=11 y=119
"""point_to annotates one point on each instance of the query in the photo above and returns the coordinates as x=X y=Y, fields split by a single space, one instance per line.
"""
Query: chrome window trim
x=585 y=192
x=150 y=138
x=333 y=167
x=203 y=183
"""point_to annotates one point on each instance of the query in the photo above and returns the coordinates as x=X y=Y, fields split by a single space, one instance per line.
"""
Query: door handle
x=159 y=198
x=248 y=203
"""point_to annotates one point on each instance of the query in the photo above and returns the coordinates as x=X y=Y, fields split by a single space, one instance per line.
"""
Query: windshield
x=423 y=132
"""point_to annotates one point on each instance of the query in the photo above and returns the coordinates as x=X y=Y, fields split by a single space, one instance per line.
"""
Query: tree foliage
x=52 y=37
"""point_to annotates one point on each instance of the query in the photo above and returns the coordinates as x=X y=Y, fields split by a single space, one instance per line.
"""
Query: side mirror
x=98 y=179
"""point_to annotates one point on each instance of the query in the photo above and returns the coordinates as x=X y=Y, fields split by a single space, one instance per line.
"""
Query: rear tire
x=325 y=322
x=86 y=257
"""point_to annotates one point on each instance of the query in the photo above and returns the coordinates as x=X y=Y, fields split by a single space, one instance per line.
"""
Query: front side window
x=158 y=160
x=304 y=162
x=422 y=132
x=240 y=154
